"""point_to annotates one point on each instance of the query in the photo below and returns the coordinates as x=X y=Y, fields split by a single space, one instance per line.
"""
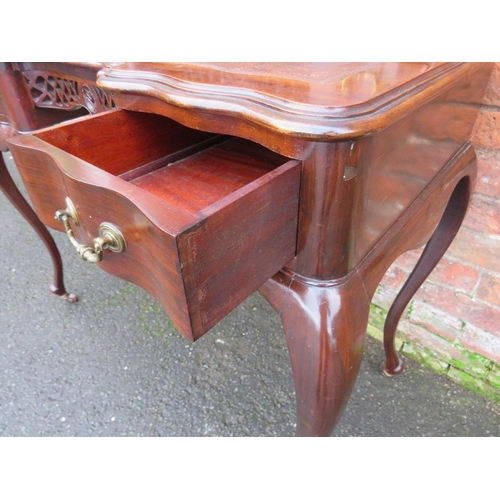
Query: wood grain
x=222 y=174
x=202 y=232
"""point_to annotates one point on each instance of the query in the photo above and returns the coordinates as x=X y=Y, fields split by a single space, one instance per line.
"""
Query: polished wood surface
x=307 y=180
x=21 y=109
x=10 y=190
x=400 y=148
x=207 y=219
x=317 y=101
x=325 y=320
x=435 y=249
x=331 y=85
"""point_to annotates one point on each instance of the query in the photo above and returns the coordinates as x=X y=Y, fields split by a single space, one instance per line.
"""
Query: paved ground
x=113 y=365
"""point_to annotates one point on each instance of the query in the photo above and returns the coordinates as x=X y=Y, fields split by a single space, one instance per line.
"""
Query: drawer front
x=206 y=220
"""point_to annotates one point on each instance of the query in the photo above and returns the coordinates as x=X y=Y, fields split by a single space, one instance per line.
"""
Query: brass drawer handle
x=110 y=237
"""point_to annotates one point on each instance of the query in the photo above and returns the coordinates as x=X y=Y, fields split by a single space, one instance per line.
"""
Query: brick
x=435 y=320
x=493 y=376
x=483 y=215
x=377 y=317
x=395 y=277
x=476 y=248
x=474 y=384
x=492 y=96
x=460 y=275
x=489 y=288
x=487 y=129
x=471 y=363
x=436 y=346
x=376 y=327
x=384 y=297
x=408 y=260
x=461 y=306
x=374 y=332
x=482 y=342
x=456 y=274
x=488 y=179
x=422 y=356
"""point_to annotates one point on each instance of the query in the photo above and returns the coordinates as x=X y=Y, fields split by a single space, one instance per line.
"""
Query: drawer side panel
x=240 y=246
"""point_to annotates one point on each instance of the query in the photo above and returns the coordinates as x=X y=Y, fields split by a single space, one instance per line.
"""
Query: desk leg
x=434 y=250
x=325 y=326
x=10 y=190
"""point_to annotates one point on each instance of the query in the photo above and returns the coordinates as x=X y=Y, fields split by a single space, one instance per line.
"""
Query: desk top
x=319 y=101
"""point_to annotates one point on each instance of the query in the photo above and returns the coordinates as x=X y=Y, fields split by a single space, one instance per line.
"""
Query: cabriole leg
x=325 y=327
x=11 y=191
x=434 y=250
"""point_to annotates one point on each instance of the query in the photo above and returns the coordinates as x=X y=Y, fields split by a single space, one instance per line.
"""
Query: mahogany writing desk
x=203 y=182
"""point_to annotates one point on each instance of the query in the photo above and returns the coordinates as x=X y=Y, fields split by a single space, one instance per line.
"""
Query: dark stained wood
x=118 y=142
x=19 y=112
x=242 y=238
x=19 y=108
x=316 y=101
x=202 y=233
x=221 y=175
x=325 y=321
x=225 y=168
x=325 y=336
x=9 y=188
x=436 y=247
x=382 y=120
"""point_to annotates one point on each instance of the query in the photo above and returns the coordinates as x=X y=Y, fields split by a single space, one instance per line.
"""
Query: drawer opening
x=207 y=218
x=187 y=168
x=202 y=179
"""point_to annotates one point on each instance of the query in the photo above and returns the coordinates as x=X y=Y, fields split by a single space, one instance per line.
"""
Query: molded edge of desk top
x=318 y=101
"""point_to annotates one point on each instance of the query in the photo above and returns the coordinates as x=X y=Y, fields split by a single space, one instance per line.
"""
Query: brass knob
x=110 y=237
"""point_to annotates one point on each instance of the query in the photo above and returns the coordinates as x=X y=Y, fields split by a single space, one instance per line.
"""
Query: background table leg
x=11 y=191
x=435 y=249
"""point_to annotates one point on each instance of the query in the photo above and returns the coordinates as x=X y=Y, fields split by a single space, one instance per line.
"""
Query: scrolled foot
x=393 y=364
x=435 y=249
x=63 y=294
x=9 y=188
x=389 y=370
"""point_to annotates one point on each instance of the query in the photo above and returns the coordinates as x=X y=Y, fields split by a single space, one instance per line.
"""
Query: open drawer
x=205 y=219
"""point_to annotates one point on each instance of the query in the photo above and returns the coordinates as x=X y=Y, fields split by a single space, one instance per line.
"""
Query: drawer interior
x=187 y=168
x=204 y=178
x=207 y=218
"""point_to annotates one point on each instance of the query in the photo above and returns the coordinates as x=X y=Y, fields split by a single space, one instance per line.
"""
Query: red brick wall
x=456 y=314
